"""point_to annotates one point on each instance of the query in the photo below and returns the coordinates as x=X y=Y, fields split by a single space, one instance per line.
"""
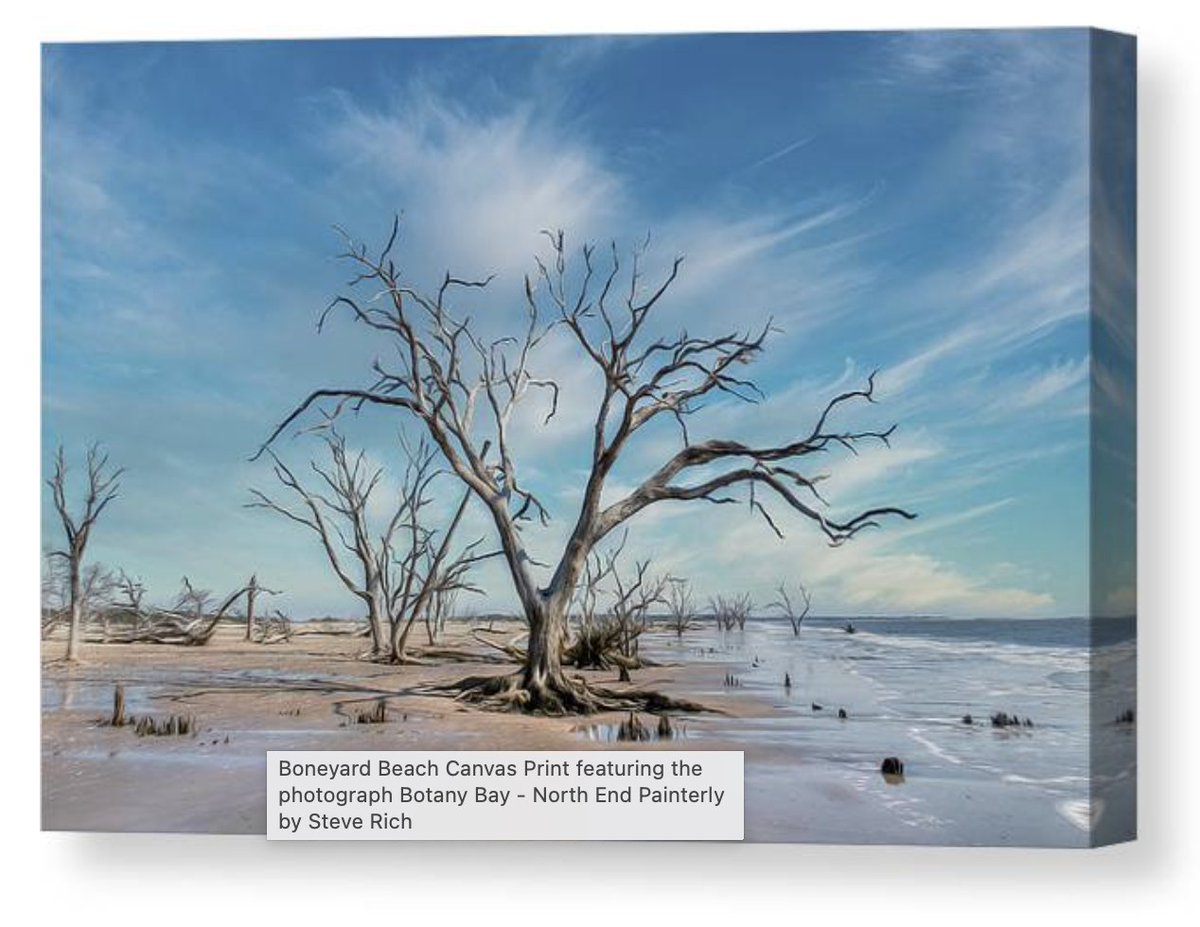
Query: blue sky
x=913 y=202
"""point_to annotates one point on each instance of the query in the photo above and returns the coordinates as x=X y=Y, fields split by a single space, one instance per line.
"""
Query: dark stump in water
x=892 y=766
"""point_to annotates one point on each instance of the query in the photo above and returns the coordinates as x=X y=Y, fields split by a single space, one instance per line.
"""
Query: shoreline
x=810 y=777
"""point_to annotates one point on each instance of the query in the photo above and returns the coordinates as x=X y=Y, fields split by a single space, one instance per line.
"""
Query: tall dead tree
x=394 y=566
x=103 y=484
x=463 y=389
x=793 y=605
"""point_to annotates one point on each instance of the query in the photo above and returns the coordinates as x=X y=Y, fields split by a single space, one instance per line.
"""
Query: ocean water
x=906 y=685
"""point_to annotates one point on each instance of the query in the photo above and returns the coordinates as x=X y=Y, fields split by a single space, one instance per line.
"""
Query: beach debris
x=665 y=730
x=1125 y=717
x=850 y=629
x=1004 y=719
x=118 y=713
x=842 y=714
x=732 y=681
x=189 y=622
x=623 y=674
x=816 y=707
x=967 y=719
x=633 y=729
x=892 y=766
x=171 y=726
x=377 y=714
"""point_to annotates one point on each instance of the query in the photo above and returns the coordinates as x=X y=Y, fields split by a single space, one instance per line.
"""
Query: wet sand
x=303 y=694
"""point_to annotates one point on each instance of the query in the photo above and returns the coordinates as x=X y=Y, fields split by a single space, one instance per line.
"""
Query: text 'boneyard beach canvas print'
x=764 y=394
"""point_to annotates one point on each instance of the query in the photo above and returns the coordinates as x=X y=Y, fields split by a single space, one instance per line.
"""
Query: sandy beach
x=810 y=775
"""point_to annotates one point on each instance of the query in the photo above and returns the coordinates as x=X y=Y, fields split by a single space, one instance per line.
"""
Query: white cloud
x=1043 y=386
x=476 y=190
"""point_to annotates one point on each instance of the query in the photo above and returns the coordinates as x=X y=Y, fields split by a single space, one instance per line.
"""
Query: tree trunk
x=399 y=642
x=380 y=642
x=547 y=637
x=75 y=631
x=251 y=591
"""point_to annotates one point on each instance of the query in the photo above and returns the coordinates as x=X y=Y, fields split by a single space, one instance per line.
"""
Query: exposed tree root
x=453 y=655
x=509 y=648
x=560 y=696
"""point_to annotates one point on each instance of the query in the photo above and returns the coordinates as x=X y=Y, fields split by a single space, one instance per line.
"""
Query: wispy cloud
x=782 y=152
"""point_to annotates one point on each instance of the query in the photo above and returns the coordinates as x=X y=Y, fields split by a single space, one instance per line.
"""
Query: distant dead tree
x=191 y=600
x=190 y=620
x=103 y=484
x=253 y=591
x=731 y=611
x=681 y=609
x=98 y=587
x=793 y=604
x=395 y=566
x=463 y=390
x=440 y=609
x=133 y=592
x=633 y=598
x=275 y=628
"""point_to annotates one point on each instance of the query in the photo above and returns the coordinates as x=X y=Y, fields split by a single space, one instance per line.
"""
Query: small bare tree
x=731 y=611
x=103 y=484
x=633 y=597
x=253 y=591
x=192 y=601
x=681 y=609
x=98 y=587
x=793 y=604
x=133 y=592
x=463 y=390
x=611 y=638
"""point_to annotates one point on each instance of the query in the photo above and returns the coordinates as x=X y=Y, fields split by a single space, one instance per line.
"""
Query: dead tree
x=134 y=593
x=463 y=390
x=788 y=603
x=731 y=611
x=394 y=567
x=276 y=628
x=430 y=572
x=633 y=597
x=253 y=591
x=97 y=587
x=103 y=484
x=337 y=512
x=608 y=640
x=681 y=610
x=190 y=621
x=56 y=593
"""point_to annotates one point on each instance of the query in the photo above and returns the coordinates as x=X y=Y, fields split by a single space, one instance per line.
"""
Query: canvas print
x=765 y=392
